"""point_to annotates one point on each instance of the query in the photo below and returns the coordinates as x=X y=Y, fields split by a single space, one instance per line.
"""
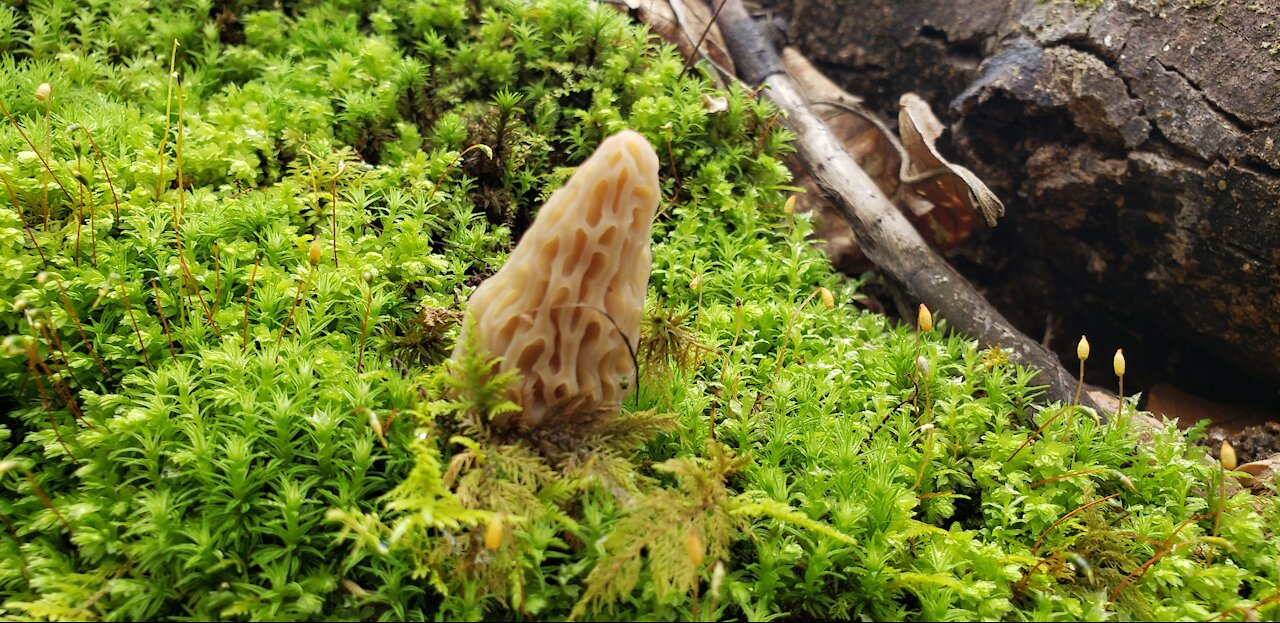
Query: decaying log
x=1137 y=144
x=883 y=232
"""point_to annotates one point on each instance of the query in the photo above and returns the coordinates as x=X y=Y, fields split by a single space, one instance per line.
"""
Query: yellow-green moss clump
x=231 y=269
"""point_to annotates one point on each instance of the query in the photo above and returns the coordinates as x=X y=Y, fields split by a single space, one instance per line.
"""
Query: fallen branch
x=883 y=233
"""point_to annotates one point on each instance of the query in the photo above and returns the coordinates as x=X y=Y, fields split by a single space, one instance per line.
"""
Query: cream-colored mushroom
x=584 y=260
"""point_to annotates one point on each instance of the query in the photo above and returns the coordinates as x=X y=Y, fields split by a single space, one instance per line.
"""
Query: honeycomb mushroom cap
x=565 y=309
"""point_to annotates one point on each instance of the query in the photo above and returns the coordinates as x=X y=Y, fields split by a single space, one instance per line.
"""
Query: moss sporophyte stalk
x=236 y=398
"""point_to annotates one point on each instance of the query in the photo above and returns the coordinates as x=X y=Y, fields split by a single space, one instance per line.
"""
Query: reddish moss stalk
x=1036 y=547
x=66 y=302
x=248 y=293
x=1036 y=433
x=178 y=212
x=102 y=161
x=44 y=401
x=63 y=391
x=297 y=294
x=18 y=210
x=136 y=331
x=164 y=323
x=52 y=337
x=44 y=499
x=44 y=162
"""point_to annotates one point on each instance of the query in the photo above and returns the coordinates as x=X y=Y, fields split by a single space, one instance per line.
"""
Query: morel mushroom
x=565 y=309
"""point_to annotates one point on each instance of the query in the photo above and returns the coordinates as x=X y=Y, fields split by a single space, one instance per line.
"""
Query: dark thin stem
x=44 y=401
x=63 y=391
x=768 y=127
x=56 y=340
x=297 y=294
x=136 y=331
x=1066 y=430
x=782 y=351
x=1165 y=547
x=182 y=187
x=248 y=293
x=102 y=161
x=93 y=227
x=71 y=311
x=44 y=162
x=631 y=350
x=178 y=212
x=1036 y=547
x=439 y=181
x=1036 y=433
x=18 y=210
x=164 y=323
x=79 y=220
x=1246 y=610
x=697 y=46
x=44 y=499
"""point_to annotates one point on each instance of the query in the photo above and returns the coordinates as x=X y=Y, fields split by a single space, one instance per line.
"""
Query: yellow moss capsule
x=828 y=300
x=313 y=256
x=493 y=532
x=695 y=283
x=1118 y=362
x=924 y=319
x=44 y=91
x=789 y=207
x=1082 y=349
x=693 y=547
x=1227 y=456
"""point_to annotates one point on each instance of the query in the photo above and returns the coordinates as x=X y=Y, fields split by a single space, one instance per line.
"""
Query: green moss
x=262 y=427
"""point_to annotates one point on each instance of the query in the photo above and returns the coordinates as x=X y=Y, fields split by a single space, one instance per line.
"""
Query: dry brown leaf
x=681 y=23
x=950 y=187
x=1260 y=471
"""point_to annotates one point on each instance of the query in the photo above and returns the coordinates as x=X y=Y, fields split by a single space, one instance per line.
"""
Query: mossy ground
x=223 y=393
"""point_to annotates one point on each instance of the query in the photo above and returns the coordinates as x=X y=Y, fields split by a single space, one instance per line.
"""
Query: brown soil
x=1252 y=444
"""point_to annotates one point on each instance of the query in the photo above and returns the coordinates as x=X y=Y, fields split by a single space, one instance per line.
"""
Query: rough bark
x=1135 y=145
x=884 y=234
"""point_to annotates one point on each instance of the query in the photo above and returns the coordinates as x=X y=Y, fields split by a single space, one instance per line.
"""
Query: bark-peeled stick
x=583 y=261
